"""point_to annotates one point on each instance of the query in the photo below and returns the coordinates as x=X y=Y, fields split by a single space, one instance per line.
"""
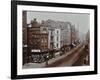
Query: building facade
x=65 y=34
x=24 y=36
x=44 y=37
x=57 y=38
x=54 y=38
x=37 y=40
x=33 y=38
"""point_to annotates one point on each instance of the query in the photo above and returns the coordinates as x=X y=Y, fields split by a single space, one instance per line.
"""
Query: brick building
x=44 y=37
x=37 y=39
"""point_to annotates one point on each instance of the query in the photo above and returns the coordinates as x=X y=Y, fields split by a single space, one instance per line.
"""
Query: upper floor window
x=52 y=37
x=57 y=31
x=57 y=38
x=44 y=29
x=57 y=45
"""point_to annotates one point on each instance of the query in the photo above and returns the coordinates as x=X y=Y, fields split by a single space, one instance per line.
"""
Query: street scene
x=55 y=39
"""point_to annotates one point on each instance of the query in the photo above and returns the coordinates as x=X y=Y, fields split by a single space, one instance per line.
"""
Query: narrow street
x=70 y=60
x=75 y=57
x=80 y=60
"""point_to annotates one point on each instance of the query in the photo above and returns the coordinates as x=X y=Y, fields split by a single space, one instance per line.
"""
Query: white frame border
x=21 y=71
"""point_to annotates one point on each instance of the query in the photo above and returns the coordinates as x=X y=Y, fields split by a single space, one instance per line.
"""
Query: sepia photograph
x=55 y=39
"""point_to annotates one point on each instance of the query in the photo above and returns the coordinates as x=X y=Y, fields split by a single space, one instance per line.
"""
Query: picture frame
x=18 y=9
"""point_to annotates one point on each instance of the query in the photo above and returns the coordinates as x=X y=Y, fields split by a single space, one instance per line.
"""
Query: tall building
x=87 y=38
x=37 y=39
x=57 y=39
x=60 y=34
x=43 y=37
x=65 y=34
x=24 y=26
x=33 y=38
x=50 y=39
x=54 y=38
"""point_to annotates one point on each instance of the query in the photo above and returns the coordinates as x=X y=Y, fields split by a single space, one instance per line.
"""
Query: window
x=51 y=32
x=57 y=45
x=52 y=38
x=57 y=38
x=44 y=29
x=51 y=45
x=45 y=40
x=57 y=31
x=42 y=40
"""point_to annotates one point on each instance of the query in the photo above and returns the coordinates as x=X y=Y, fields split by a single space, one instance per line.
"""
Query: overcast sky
x=81 y=21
